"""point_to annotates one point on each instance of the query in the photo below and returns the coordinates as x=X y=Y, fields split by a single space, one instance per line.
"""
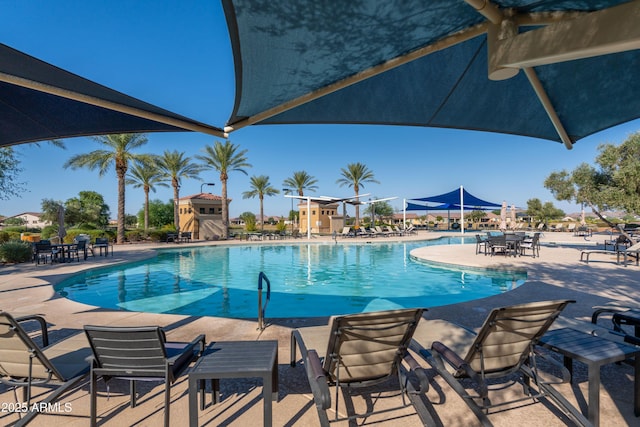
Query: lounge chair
x=361 y=349
x=138 y=354
x=346 y=232
x=23 y=363
x=502 y=347
x=633 y=251
x=378 y=230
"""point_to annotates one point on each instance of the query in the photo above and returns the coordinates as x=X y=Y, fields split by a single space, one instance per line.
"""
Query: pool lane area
x=307 y=280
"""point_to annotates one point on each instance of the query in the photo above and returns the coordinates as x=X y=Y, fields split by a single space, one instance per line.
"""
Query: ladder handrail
x=261 y=309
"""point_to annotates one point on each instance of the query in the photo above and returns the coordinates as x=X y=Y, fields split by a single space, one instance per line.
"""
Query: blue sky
x=176 y=54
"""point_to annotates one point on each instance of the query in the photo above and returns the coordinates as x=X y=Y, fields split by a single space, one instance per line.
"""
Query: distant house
x=31 y=219
x=201 y=214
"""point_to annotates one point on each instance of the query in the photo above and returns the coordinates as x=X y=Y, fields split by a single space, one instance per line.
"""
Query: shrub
x=4 y=237
x=15 y=251
x=134 y=235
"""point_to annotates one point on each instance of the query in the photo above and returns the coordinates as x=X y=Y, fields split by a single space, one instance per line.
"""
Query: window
x=180 y=210
x=219 y=210
x=213 y=211
x=190 y=210
x=201 y=210
x=313 y=212
x=322 y=212
x=304 y=213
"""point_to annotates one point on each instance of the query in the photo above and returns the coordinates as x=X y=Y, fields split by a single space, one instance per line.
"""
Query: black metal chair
x=532 y=243
x=481 y=244
x=138 y=354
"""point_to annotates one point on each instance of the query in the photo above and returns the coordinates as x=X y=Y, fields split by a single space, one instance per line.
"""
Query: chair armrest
x=461 y=366
x=317 y=380
x=415 y=367
x=199 y=340
x=43 y=326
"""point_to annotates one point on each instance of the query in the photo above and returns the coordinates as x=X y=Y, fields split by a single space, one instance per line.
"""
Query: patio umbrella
x=39 y=101
x=61 y=230
x=583 y=220
x=503 y=216
x=556 y=70
x=513 y=217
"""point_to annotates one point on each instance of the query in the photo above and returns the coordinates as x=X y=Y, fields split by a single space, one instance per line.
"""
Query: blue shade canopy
x=453 y=198
x=39 y=101
x=426 y=63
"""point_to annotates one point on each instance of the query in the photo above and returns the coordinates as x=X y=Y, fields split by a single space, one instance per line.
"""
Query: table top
x=587 y=348
x=233 y=357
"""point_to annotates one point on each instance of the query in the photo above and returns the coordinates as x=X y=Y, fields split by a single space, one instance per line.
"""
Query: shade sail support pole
x=461 y=210
x=109 y=105
x=548 y=106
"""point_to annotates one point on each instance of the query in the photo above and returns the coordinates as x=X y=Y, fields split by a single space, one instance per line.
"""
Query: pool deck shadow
x=557 y=273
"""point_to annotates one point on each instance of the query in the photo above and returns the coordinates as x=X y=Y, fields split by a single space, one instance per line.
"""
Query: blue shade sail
x=288 y=54
x=39 y=101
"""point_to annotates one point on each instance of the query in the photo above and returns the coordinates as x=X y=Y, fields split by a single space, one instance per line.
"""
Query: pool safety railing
x=261 y=308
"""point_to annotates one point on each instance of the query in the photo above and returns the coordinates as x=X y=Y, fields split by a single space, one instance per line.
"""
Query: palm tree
x=118 y=152
x=355 y=175
x=260 y=186
x=301 y=181
x=145 y=174
x=224 y=158
x=175 y=167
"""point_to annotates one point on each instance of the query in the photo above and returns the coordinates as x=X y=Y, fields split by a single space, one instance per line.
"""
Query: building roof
x=202 y=196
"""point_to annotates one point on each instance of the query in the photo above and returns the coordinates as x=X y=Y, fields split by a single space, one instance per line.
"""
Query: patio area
x=556 y=274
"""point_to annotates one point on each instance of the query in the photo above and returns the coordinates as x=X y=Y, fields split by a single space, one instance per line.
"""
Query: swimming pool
x=306 y=280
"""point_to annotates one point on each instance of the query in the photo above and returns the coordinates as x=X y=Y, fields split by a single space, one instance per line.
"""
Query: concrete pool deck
x=557 y=273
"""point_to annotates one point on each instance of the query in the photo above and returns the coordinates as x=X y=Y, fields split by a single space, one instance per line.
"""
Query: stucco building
x=201 y=214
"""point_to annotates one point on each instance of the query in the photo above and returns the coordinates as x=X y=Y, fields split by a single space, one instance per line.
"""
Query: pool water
x=306 y=280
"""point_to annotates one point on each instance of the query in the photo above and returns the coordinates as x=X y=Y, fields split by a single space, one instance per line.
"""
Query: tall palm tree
x=174 y=166
x=119 y=153
x=145 y=174
x=355 y=175
x=260 y=186
x=224 y=158
x=301 y=181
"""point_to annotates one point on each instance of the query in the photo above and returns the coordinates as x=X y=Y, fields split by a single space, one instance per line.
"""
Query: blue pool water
x=306 y=280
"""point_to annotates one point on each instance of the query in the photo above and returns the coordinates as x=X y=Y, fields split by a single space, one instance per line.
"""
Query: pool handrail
x=261 y=309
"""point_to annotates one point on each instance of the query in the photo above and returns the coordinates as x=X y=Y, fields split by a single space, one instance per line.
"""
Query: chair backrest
x=128 y=351
x=345 y=230
x=16 y=350
x=369 y=346
x=633 y=248
x=102 y=241
x=508 y=333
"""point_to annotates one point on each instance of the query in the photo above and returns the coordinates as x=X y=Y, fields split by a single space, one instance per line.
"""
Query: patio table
x=595 y=352
x=235 y=359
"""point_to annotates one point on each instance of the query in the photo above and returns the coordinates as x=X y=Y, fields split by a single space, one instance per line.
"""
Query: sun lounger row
x=351 y=351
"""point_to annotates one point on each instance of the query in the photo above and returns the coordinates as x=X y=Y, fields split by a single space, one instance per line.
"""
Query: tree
x=9 y=171
x=249 y=219
x=301 y=181
x=260 y=186
x=119 y=153
x=476 y=216
x=175 y=167
x=88 y=209
x=356 y=175
x=543 y=212
x=160 y=214
x=613 y=183
x=379 y=209
x=146 y=174
x=224 y=158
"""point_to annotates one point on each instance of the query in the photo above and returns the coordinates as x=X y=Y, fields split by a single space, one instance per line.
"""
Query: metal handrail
x=261 y=309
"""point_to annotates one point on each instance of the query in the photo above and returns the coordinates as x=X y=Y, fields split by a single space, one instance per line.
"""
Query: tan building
x=325 y=218
x=201 y=214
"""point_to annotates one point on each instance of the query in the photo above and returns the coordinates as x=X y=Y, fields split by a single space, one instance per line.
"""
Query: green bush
x=15 y=251
x=157 y=235
x=134 y=235
x=4 y=237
